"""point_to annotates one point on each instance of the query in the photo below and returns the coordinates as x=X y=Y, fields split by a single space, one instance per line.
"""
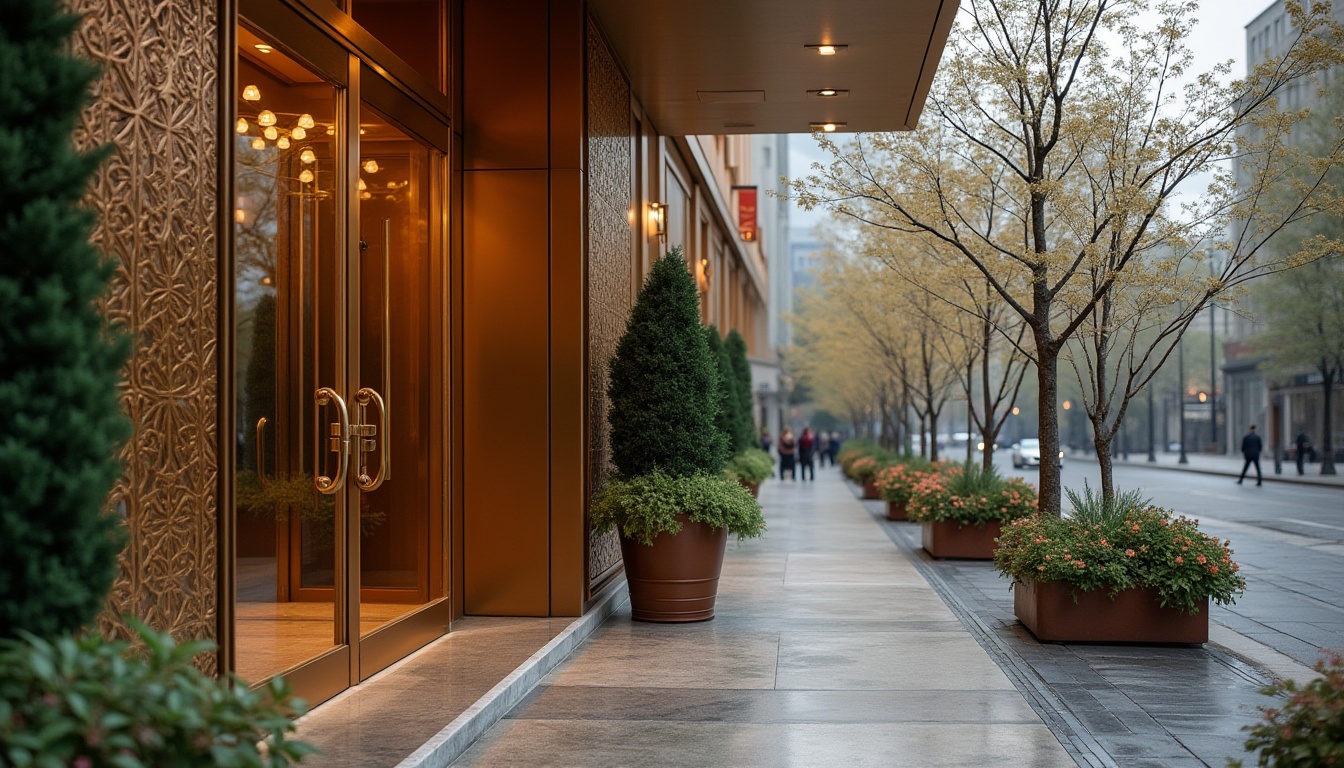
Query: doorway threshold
x=425 y=710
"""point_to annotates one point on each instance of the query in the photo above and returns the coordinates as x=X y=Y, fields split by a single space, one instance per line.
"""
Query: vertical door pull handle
x=363 y=398
x=340 y=441
x=261 y=453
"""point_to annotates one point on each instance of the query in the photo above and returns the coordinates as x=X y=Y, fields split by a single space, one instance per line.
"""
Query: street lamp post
x=1151 y=425
x=1213 y=372
x=1180 y=395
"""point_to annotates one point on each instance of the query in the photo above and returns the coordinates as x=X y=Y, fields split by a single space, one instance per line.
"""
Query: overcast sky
x=1220 y=35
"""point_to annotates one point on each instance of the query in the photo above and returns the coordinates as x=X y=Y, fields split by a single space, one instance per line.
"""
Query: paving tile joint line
x=456 y=737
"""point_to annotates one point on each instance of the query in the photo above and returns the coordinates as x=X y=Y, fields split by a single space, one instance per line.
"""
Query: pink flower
x=1179 y=560
x=1129 y=553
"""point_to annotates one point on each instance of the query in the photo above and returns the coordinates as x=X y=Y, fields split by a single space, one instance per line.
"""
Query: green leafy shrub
x=61 y=360
x=752 y=465
x=743 y=434
x=1148 y=548
x=969 y=495
x=1307 y=728
x=663 y=382
x=85 y=702
x=725 y=395
x=647 y=505
x=897 y=482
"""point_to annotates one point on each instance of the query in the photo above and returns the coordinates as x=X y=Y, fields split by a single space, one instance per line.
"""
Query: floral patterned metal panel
x=157 y=104
x=610 y=142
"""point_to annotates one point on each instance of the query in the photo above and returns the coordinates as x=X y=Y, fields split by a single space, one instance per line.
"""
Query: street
x=1289 y=540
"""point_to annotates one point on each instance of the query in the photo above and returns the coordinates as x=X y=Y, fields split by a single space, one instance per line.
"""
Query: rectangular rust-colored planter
x=896 y=510
x=1048 y=610
x=970 y=542
x=870 y=490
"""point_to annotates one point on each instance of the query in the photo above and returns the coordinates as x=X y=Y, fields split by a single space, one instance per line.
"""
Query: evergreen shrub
x=743 y=434
x=60 y=362
x=725 y=395
x=664 y=382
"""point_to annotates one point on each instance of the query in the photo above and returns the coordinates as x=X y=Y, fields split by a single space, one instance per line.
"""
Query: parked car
x=1027 y=453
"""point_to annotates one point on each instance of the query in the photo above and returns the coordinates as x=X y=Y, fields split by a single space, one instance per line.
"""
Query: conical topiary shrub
x=743 y=434
x=726 y=393
x=59 y=361
x=664 y=382
x=673 y=505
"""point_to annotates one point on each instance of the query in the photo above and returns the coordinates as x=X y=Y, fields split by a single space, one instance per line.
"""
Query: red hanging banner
x=746 y=213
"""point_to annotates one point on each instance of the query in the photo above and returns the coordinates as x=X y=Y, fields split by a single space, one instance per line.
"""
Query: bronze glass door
x=288 y=309
x=399 y=476
x=339 y=522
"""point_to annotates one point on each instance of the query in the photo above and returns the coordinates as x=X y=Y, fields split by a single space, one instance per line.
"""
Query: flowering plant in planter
x=969 y=495
x=1307 y=727
x=1127 y=545
x=862 y=469
x=897 y=482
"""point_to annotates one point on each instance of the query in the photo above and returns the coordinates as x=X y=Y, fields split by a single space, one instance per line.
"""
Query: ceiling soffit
x=744 y=66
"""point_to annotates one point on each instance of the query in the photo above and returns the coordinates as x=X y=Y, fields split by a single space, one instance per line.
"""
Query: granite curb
x=456 y=737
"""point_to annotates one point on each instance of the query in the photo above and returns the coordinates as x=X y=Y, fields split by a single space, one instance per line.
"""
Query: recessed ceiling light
x=826 y=92
x=263 y=48
x=827 y=127
x=827 y=49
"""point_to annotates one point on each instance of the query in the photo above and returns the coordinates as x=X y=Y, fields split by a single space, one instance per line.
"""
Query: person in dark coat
x=807 y=448
x=788 y=448
x=1251 y=446
x=1303 y=445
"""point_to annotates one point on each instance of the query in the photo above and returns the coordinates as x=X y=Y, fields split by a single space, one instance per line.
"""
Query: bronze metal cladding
x=1048 y=609
x=156 y=200
x=676 y=579
x=968 y=542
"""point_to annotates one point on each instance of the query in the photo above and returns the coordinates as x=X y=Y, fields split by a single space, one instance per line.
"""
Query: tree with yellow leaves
x=1068 y=124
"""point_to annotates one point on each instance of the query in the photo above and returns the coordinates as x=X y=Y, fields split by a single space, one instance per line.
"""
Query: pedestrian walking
x=823 y=448
x=1250 y=449
x=766 y=440
x=788 y=453
x=807 y=447
x=835 y=446
x=1303 y=444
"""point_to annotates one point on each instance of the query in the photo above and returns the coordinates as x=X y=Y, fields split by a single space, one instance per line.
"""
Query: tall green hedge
x=664 y=382
x=744 y=425
x=59 y=360
x=726 y=417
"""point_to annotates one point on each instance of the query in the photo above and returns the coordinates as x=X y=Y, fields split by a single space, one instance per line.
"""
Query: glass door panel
x=400 y=549
x=285 y=310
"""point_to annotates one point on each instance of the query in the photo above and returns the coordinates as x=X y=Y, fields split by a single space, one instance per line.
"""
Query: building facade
x=1285 y=405
x=376 y=256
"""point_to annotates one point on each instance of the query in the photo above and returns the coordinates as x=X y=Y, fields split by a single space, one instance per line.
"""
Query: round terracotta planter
x=870 y=490
x=755 y=488
x=1049 y=610
x=677 y=578
x=896 y=510
x=946 y=539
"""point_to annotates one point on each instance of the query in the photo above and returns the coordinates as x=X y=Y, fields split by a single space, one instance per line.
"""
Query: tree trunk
x=1047 y=403
x=1327 y=436
x=933 y=439
x=1103 y=446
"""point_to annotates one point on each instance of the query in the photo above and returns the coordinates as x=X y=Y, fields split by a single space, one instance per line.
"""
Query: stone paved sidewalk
x=1120 y=705
x=830 y=648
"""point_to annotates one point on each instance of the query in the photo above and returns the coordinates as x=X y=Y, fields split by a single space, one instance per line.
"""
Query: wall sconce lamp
x=658 y=219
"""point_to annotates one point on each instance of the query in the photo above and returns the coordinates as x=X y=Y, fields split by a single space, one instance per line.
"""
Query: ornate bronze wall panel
x=157 y=104
x=610 y=196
